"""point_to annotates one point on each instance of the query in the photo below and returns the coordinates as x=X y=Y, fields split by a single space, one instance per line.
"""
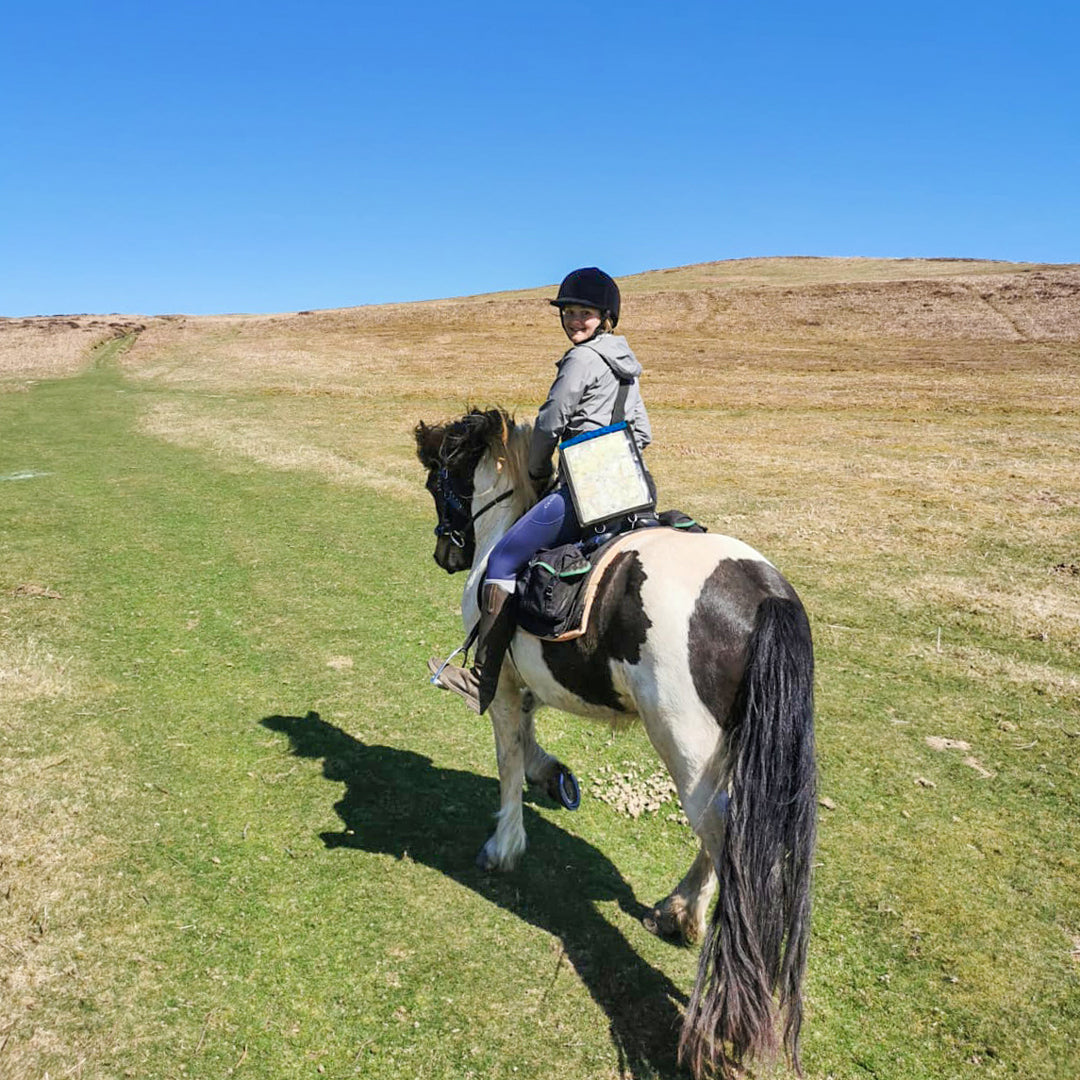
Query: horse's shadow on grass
x=397 y=803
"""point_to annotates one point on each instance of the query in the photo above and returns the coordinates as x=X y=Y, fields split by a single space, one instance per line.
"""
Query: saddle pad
x=601 y=560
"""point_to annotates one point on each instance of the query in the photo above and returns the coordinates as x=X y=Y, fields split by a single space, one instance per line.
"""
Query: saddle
x=556 y=590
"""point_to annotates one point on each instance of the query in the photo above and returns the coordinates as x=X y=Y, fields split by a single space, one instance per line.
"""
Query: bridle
x=452 y=495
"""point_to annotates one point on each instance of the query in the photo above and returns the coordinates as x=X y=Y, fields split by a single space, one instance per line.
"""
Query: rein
x=494 y=502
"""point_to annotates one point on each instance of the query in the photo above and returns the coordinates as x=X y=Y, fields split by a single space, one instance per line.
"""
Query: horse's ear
x=428 y=443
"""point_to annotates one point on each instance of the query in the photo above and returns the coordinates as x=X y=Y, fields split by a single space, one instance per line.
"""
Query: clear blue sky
x=274 y=156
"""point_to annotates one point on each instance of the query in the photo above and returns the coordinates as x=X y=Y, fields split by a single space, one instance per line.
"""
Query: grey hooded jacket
x=582 y=398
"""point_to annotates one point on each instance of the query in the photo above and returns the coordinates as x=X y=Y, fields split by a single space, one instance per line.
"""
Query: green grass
x=286 y=847
x=239 y=829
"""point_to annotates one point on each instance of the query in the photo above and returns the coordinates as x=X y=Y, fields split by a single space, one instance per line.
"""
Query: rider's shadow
x=397 y=803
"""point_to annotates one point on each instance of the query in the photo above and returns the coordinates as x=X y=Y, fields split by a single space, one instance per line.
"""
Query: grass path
x=238 y=829
x=258 y=823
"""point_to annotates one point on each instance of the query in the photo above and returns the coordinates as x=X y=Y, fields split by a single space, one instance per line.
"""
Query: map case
x=605 y=474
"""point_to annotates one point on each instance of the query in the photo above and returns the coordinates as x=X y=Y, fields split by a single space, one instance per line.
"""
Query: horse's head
x=451 y=453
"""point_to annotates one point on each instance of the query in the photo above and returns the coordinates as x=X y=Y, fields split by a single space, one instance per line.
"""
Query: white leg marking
x=505 y=847
x=682 y=913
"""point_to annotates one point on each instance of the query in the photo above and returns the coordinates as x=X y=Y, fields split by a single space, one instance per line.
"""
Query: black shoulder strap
x=618 y=414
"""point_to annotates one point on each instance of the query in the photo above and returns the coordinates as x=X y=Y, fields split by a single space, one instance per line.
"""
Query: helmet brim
x=566 y=301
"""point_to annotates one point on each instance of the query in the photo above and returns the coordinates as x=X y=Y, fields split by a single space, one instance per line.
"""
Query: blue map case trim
x=586 y=435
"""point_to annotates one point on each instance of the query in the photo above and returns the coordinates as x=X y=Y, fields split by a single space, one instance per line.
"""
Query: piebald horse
x=701 y=638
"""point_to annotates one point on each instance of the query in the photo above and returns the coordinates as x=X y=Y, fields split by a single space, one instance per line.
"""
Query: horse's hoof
x=485 y=860
x=660 y=923
x=564 y=788
x=666 y=925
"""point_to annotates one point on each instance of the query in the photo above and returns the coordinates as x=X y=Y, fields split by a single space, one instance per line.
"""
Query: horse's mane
x=508 y=441
x=516 y=454
x=493 y=432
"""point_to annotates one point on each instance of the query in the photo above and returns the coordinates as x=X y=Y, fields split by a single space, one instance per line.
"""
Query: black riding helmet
x=590 y=287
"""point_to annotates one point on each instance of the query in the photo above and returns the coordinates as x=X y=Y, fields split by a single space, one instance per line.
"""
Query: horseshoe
x=569 y=790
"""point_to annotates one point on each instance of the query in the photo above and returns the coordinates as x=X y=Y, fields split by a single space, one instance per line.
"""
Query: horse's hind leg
x=505 y=846
x=691 y=745
x=681 y=914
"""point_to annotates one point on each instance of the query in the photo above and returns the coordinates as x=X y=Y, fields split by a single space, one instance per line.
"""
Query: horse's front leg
x=542 y=770
x=505 y=846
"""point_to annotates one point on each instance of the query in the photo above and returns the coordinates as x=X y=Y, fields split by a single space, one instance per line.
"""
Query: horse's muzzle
x=450 y=557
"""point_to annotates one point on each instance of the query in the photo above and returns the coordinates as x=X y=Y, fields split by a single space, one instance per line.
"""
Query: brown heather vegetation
x=857 y=413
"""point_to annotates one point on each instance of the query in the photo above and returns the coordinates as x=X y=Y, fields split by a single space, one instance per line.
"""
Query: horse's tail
x=756 y=946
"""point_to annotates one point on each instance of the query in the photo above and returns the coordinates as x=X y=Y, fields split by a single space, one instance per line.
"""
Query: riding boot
x=477 y=685
x=496 y=630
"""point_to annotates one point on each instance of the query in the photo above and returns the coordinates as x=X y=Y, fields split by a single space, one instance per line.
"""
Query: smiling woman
x=580 y=323
x=596 y=386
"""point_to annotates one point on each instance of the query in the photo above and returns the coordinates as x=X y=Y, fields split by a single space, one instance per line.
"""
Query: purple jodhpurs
x=550 y=522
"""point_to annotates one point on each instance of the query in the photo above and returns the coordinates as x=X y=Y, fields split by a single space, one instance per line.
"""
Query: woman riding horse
x=596 y=374
x=701 y=638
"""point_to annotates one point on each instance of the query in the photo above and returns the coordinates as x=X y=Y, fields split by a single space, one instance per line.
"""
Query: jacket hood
x=616 y=353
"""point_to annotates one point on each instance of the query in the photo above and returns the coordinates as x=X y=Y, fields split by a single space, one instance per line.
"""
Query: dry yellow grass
x=857 y=412
x=904 y=432
x=53 y=347
x=884 y=420
x=29 y=669
x=231 y=434
x=920 y=339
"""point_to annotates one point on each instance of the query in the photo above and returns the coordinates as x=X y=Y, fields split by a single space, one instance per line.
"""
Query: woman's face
x=580 y=323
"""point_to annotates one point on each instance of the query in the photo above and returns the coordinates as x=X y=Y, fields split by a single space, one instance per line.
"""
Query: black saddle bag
x=550 y=591
x=676 y=519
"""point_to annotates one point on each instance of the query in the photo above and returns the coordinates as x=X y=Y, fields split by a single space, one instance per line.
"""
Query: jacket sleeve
x=563 y=398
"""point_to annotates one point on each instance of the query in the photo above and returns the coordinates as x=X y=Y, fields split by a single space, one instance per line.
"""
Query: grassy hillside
x=238 y=828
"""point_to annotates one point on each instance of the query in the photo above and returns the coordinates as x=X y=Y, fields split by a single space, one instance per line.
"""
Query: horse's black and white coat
x=700 y=637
